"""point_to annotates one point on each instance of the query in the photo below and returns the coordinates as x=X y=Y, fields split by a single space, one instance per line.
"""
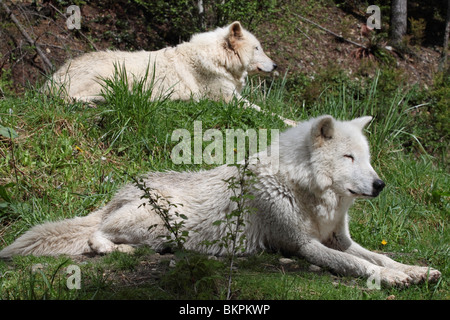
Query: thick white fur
x=301 y=208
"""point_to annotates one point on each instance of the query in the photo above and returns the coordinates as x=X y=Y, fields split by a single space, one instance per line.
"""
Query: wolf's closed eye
x=350 y=157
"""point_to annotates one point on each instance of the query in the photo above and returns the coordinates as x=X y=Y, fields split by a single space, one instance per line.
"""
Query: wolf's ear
x=236 y=30
x=322 y=130
x=235 y=34
x=362 y=122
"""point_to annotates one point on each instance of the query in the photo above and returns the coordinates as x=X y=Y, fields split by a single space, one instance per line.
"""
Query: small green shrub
x=194 y=277
x=417 y=30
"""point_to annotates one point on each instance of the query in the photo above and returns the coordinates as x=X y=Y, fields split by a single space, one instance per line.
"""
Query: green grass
x=68 y=159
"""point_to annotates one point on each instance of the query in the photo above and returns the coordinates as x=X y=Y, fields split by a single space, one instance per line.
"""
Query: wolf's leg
x=130 y=225
x=100 y=244
x=417 y=273
x=248 y=104
x=91 y=100
x=348 y=264
x=289 y=122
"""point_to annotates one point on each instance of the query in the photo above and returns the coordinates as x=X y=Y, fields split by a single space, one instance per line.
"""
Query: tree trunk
x=201 y=13
x=398 y=21
x=443 y=62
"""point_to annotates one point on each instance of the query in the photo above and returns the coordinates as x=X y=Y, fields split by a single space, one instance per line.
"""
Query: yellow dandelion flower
x=79 y=149
x=383 y=242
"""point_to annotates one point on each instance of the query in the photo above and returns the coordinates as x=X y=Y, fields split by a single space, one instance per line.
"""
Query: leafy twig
x=240 y=187
x=163 y=211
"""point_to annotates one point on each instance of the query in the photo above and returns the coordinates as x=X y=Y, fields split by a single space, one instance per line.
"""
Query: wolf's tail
x=54 y=238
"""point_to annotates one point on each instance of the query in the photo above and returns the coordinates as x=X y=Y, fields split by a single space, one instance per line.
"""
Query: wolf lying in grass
x=211 y=65
x=301 y=207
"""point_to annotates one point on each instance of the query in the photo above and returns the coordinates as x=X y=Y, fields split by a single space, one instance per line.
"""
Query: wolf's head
x=248 y=49
x=340 y=157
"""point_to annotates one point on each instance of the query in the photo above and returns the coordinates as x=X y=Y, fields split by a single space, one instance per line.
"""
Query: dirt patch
x=101 y=28
x=151 y=268
x=308 y=49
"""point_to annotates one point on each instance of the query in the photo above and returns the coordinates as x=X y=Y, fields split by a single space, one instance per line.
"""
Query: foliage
x=196 y=277
x=166 y=210
x=133 y=109
x=426 y=19
x=177 y=20
x=250 y=13
x=441 y=99
x=234 y=240
x=174 y=20
x=433 y=116
x=6 y=82
x=417 y=30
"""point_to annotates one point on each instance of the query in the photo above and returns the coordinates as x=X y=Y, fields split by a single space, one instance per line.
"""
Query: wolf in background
x=211 y=65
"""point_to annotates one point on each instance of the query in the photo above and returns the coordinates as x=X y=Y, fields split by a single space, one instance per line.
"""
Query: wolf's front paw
x=290 y=122
x=391 y=277
x=125 y=248
x=433 y=275
x=419 y=274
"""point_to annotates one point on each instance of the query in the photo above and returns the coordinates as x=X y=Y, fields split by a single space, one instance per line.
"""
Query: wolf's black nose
x=274 y=66
x=378 y=185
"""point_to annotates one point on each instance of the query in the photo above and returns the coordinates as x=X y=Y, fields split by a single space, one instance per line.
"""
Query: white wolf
x=301 y=210
x=213 y=65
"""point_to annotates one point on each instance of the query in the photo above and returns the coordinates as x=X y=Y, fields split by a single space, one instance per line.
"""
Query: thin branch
x=331 y=32
x=48 y=65
x=79 y=31
x=303 y=33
